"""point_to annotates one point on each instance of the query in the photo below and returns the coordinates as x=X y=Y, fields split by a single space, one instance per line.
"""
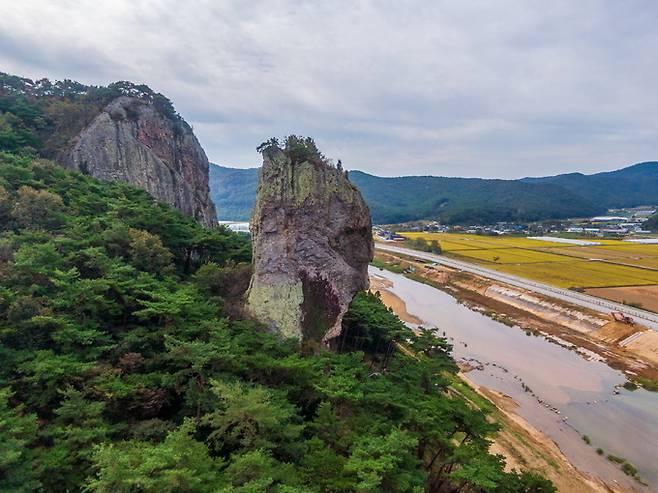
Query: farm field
x=612 y=264
x=646 y=296
x=633 y=249
x=645 y=262
x=593 y=252
x=514 y=256
x=466 y=241
x=581 y=274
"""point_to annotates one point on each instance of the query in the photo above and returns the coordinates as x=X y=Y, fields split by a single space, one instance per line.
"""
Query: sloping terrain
x=467 y=200
x=123 y=366
x=626 y=187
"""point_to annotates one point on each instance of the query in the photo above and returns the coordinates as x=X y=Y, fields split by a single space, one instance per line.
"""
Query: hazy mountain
x=233 y=191
x=626 y=187
x=467 y=200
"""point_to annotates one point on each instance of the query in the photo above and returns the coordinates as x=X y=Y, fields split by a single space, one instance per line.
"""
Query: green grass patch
x=646 y=383
x=616 y=459
x=380 y=264
x=627 y=468
x=467 y=391
x=628 y=385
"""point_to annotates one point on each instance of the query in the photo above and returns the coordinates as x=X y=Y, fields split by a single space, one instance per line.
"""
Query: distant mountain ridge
x=467 y=200
x=626 y=187
x=233 y=190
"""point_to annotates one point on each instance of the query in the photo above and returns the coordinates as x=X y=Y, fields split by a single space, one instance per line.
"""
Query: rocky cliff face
x=131 y=141
x=312 y=242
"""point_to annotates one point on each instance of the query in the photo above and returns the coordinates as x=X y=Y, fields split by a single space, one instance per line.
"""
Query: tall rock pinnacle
x=312 y=242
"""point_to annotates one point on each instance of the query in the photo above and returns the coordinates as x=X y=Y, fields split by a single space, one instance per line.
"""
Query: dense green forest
x=627 y=187
x=467 y=200
x=126 y=365
x=652 y=223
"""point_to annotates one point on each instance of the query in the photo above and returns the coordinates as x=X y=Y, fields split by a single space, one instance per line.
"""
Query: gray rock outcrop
x=131 y=141
x=312 y=242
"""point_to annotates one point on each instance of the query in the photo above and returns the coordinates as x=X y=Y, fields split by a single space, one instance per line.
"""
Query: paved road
x=600 y=305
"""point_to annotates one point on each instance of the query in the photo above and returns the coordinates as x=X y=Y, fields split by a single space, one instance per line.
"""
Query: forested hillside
x=470 y=200
x=626 y=187
x=467 y=200
x=652 y=223
x=126 y=365
x=233 y=191
x=122 y=132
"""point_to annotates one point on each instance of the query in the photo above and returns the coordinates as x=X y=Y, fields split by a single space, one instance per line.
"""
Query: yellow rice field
x=645 y=263
x=633 y=249
x=591 y=252
x=513 y=256
x=582 y=274
x=465 y=241
x=613 y=263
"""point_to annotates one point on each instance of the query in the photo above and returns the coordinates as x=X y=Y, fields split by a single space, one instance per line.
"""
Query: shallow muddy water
x=561 y=392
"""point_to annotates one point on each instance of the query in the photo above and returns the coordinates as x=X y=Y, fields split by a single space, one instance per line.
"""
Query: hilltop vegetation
x=652 y=223
x=126 y=365
x=233 y=190
x=39 y=118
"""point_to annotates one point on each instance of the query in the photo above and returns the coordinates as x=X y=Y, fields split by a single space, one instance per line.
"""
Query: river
x=562 y=392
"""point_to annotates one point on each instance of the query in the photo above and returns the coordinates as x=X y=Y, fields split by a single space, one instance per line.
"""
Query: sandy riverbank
x=526 y=448
x=523 y=446
x=636 y=356
x=378 y=284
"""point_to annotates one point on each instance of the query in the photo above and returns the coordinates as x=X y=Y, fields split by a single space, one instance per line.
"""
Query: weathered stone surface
x=312 y=242
x=131 y=141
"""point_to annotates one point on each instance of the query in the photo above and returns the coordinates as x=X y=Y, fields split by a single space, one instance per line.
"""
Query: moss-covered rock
x=312 y=242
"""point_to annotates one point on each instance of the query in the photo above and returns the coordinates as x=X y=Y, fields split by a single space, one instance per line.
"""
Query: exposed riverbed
x=561 y=392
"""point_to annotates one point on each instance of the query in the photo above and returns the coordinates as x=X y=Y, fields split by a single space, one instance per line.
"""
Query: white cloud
x=482 y=88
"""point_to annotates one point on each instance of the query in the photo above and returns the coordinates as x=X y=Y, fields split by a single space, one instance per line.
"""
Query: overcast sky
x=459 y=88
